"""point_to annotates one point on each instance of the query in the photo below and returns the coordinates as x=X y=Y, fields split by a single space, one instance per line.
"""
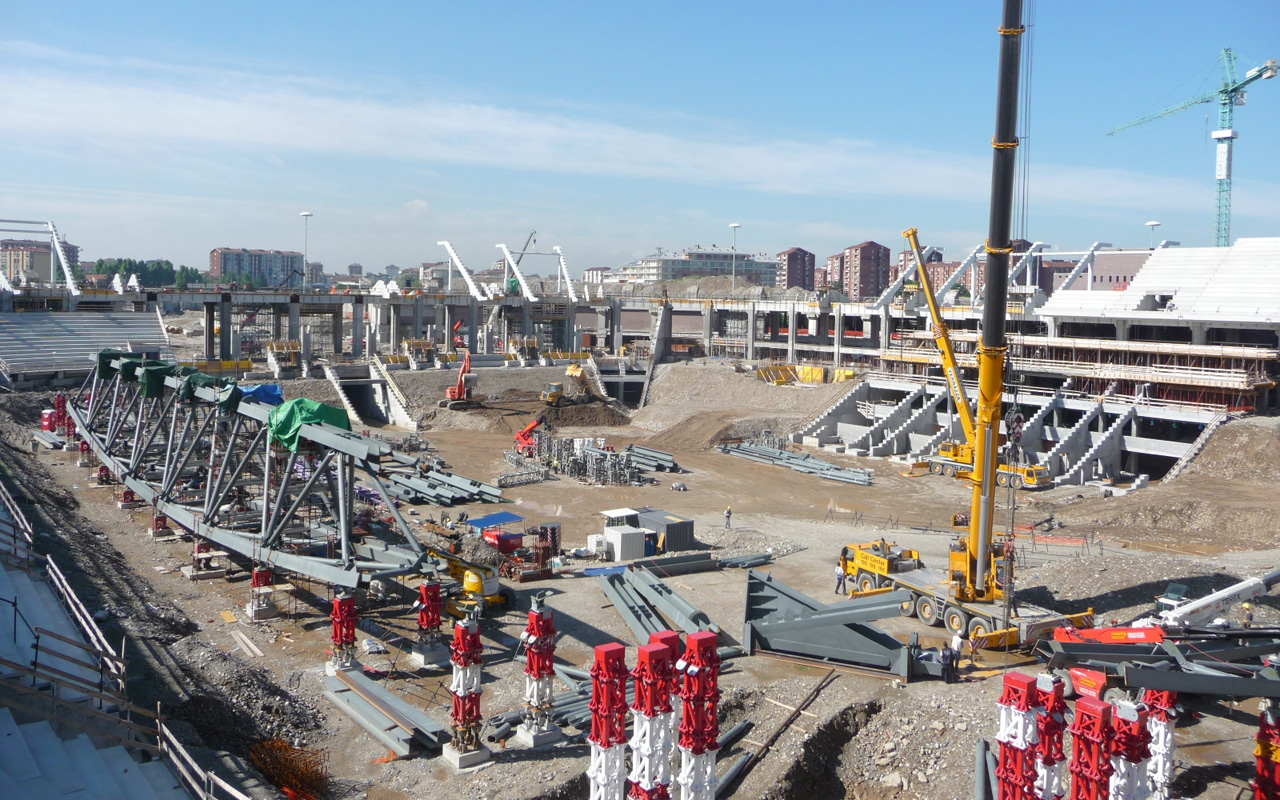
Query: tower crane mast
x=1229 y=95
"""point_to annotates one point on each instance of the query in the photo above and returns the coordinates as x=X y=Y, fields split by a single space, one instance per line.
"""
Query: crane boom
x=942 y=336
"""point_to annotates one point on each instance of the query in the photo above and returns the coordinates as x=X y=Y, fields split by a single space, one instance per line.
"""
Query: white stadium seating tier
x=42 y=342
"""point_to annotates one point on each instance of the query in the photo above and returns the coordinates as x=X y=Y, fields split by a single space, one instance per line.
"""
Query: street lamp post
x=733 y=275
x=1153 y=225
x=306 y=224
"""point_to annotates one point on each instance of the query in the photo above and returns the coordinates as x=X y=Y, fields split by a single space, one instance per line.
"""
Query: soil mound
x=1242 y=450
x=589 y=415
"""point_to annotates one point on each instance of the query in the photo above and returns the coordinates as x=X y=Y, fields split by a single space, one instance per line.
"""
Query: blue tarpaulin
x=268 y=393
x=500 y=518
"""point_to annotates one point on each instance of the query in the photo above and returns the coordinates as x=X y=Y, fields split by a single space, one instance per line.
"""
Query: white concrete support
x=607 y=772
x=697 y=776
x=650 y=751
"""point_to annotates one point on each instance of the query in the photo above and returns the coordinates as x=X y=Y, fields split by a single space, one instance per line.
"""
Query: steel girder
x=778 y=618
x=218 y=474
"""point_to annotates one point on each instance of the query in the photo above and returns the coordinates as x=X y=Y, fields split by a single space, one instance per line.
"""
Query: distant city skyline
x=190 y=129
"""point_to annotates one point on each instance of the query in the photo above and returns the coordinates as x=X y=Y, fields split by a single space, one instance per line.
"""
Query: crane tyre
x=979 y=627
x=866 y=581
x=1017 y=482
x=908 y=607
x=935 y=467
x=1002 y=479
x=927 y=611
x=949 y=470
x=955 y=620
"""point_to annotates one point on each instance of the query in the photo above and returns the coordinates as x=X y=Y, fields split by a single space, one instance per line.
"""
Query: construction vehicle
x=955 y=459
x=974 y=594
x=458 y=342
x=525 y=445
x=580 y=390
x=459 y=396
x=480 y=587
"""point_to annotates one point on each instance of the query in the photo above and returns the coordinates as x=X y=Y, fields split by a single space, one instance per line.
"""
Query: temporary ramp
x=780 y=619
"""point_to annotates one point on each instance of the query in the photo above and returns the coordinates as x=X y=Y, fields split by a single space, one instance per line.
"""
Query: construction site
x=525 y=543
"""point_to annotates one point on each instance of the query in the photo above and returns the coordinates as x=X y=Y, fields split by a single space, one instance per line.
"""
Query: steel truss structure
x=218 y=473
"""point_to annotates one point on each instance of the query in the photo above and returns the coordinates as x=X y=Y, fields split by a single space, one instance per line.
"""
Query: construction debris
x=800 y=462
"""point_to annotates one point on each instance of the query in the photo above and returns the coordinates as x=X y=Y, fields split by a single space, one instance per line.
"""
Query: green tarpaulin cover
x=286 y=421
x=105 y=357
x=154 y=373
x=131 y=364
x=198 y=380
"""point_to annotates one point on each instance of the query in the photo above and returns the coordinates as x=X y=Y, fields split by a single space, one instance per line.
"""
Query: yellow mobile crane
x=956 y=458
x=967 y=596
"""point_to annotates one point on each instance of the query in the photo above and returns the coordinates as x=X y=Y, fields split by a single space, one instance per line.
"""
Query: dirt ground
x=865 y=737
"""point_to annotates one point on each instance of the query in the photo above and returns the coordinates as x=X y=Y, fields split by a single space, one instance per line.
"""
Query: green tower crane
x=1227 y=96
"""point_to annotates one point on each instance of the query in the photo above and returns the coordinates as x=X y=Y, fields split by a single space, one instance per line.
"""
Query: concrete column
x=751 y=331
x=473 y=326
x=1122 y=330
x=277 y=321
x=295 y=318
x=1199 y=333
x=615 y=326
x=224 y=338
x=336 y=331
x=708 y=326
x=837 y=336
x=210 y=322
x=357 y=326
x=419 y=311
x=886 y=327
x=791 y=333
x=394 y=333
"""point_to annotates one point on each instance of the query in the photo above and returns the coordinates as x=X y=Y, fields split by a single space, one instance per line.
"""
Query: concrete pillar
x=394 y=334
x=336 y=331
x=751 y=331
x=1199 y=333
x=837 y=336
x=357 y=326
x=708 y=326
x=224 y=338
x=1122 y=330
x=210 y=322
x=419 y=311
x=277 y=321
x=295 y=318
x=886 y=327
x=473 y=326
x=615 y=326
x=791 y=333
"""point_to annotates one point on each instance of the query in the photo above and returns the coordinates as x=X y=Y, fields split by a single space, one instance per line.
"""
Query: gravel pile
x=706 y=385
x=1242 y=450
x=741 y=541
x=318 y=389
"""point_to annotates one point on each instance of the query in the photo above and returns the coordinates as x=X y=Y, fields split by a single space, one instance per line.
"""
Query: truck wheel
x=927 y=611
x=979 y=627
x=866 y=581
x=908 y=607
x=949 y=470
x=956 y=620
x=1017 y=482
x=935 y=467
x=1002 y=479
x=1068 y=685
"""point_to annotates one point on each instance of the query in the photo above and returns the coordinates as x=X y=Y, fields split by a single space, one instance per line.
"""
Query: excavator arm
x=943 y=337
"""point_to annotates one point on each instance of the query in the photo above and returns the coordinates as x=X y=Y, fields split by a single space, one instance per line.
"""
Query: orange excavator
x=524 y=439
x=458 y=342
x=459 y=396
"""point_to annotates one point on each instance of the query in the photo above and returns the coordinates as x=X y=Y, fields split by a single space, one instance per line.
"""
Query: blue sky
x=162 y=130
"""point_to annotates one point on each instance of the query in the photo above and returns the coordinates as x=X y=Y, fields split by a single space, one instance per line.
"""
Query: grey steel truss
x=219 y=474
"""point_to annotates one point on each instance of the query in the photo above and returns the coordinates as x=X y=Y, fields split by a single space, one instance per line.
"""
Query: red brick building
x=795 y=269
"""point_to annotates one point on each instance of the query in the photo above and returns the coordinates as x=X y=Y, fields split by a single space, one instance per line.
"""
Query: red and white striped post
x=1129 y=751
x=672 y=641
x=1018 y=737
x=699 y=724
x=539 y=638
x=1090 y=750
x=1266 y=784
x=651 y=733
x=607 y=771
x=1051 y=724
x=465 y=686
x=1162 y=711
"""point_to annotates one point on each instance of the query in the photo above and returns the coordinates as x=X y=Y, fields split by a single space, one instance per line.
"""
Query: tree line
x=155 y=274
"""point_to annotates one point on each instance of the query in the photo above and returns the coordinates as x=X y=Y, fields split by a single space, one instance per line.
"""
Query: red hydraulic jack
x=606 y=775
x=1091 y=750
x=344 y=633
x=651 y=737
x=539 y=639
x=1018 y=737
x=430 y=650
x=466 y=749
x=1051 y=724
x=699 y=726
x=1266 y=785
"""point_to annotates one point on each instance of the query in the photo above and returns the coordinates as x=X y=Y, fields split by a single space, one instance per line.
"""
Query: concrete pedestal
x=528 y=737
x=258 y=610
x=463 y=761
x=332 y=667
x=429 y=657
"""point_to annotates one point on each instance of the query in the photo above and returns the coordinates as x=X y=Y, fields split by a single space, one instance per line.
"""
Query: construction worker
x=1248 y=615
x=948 y=658
x=957 y=644
x=728 y=515
x=839 y=578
